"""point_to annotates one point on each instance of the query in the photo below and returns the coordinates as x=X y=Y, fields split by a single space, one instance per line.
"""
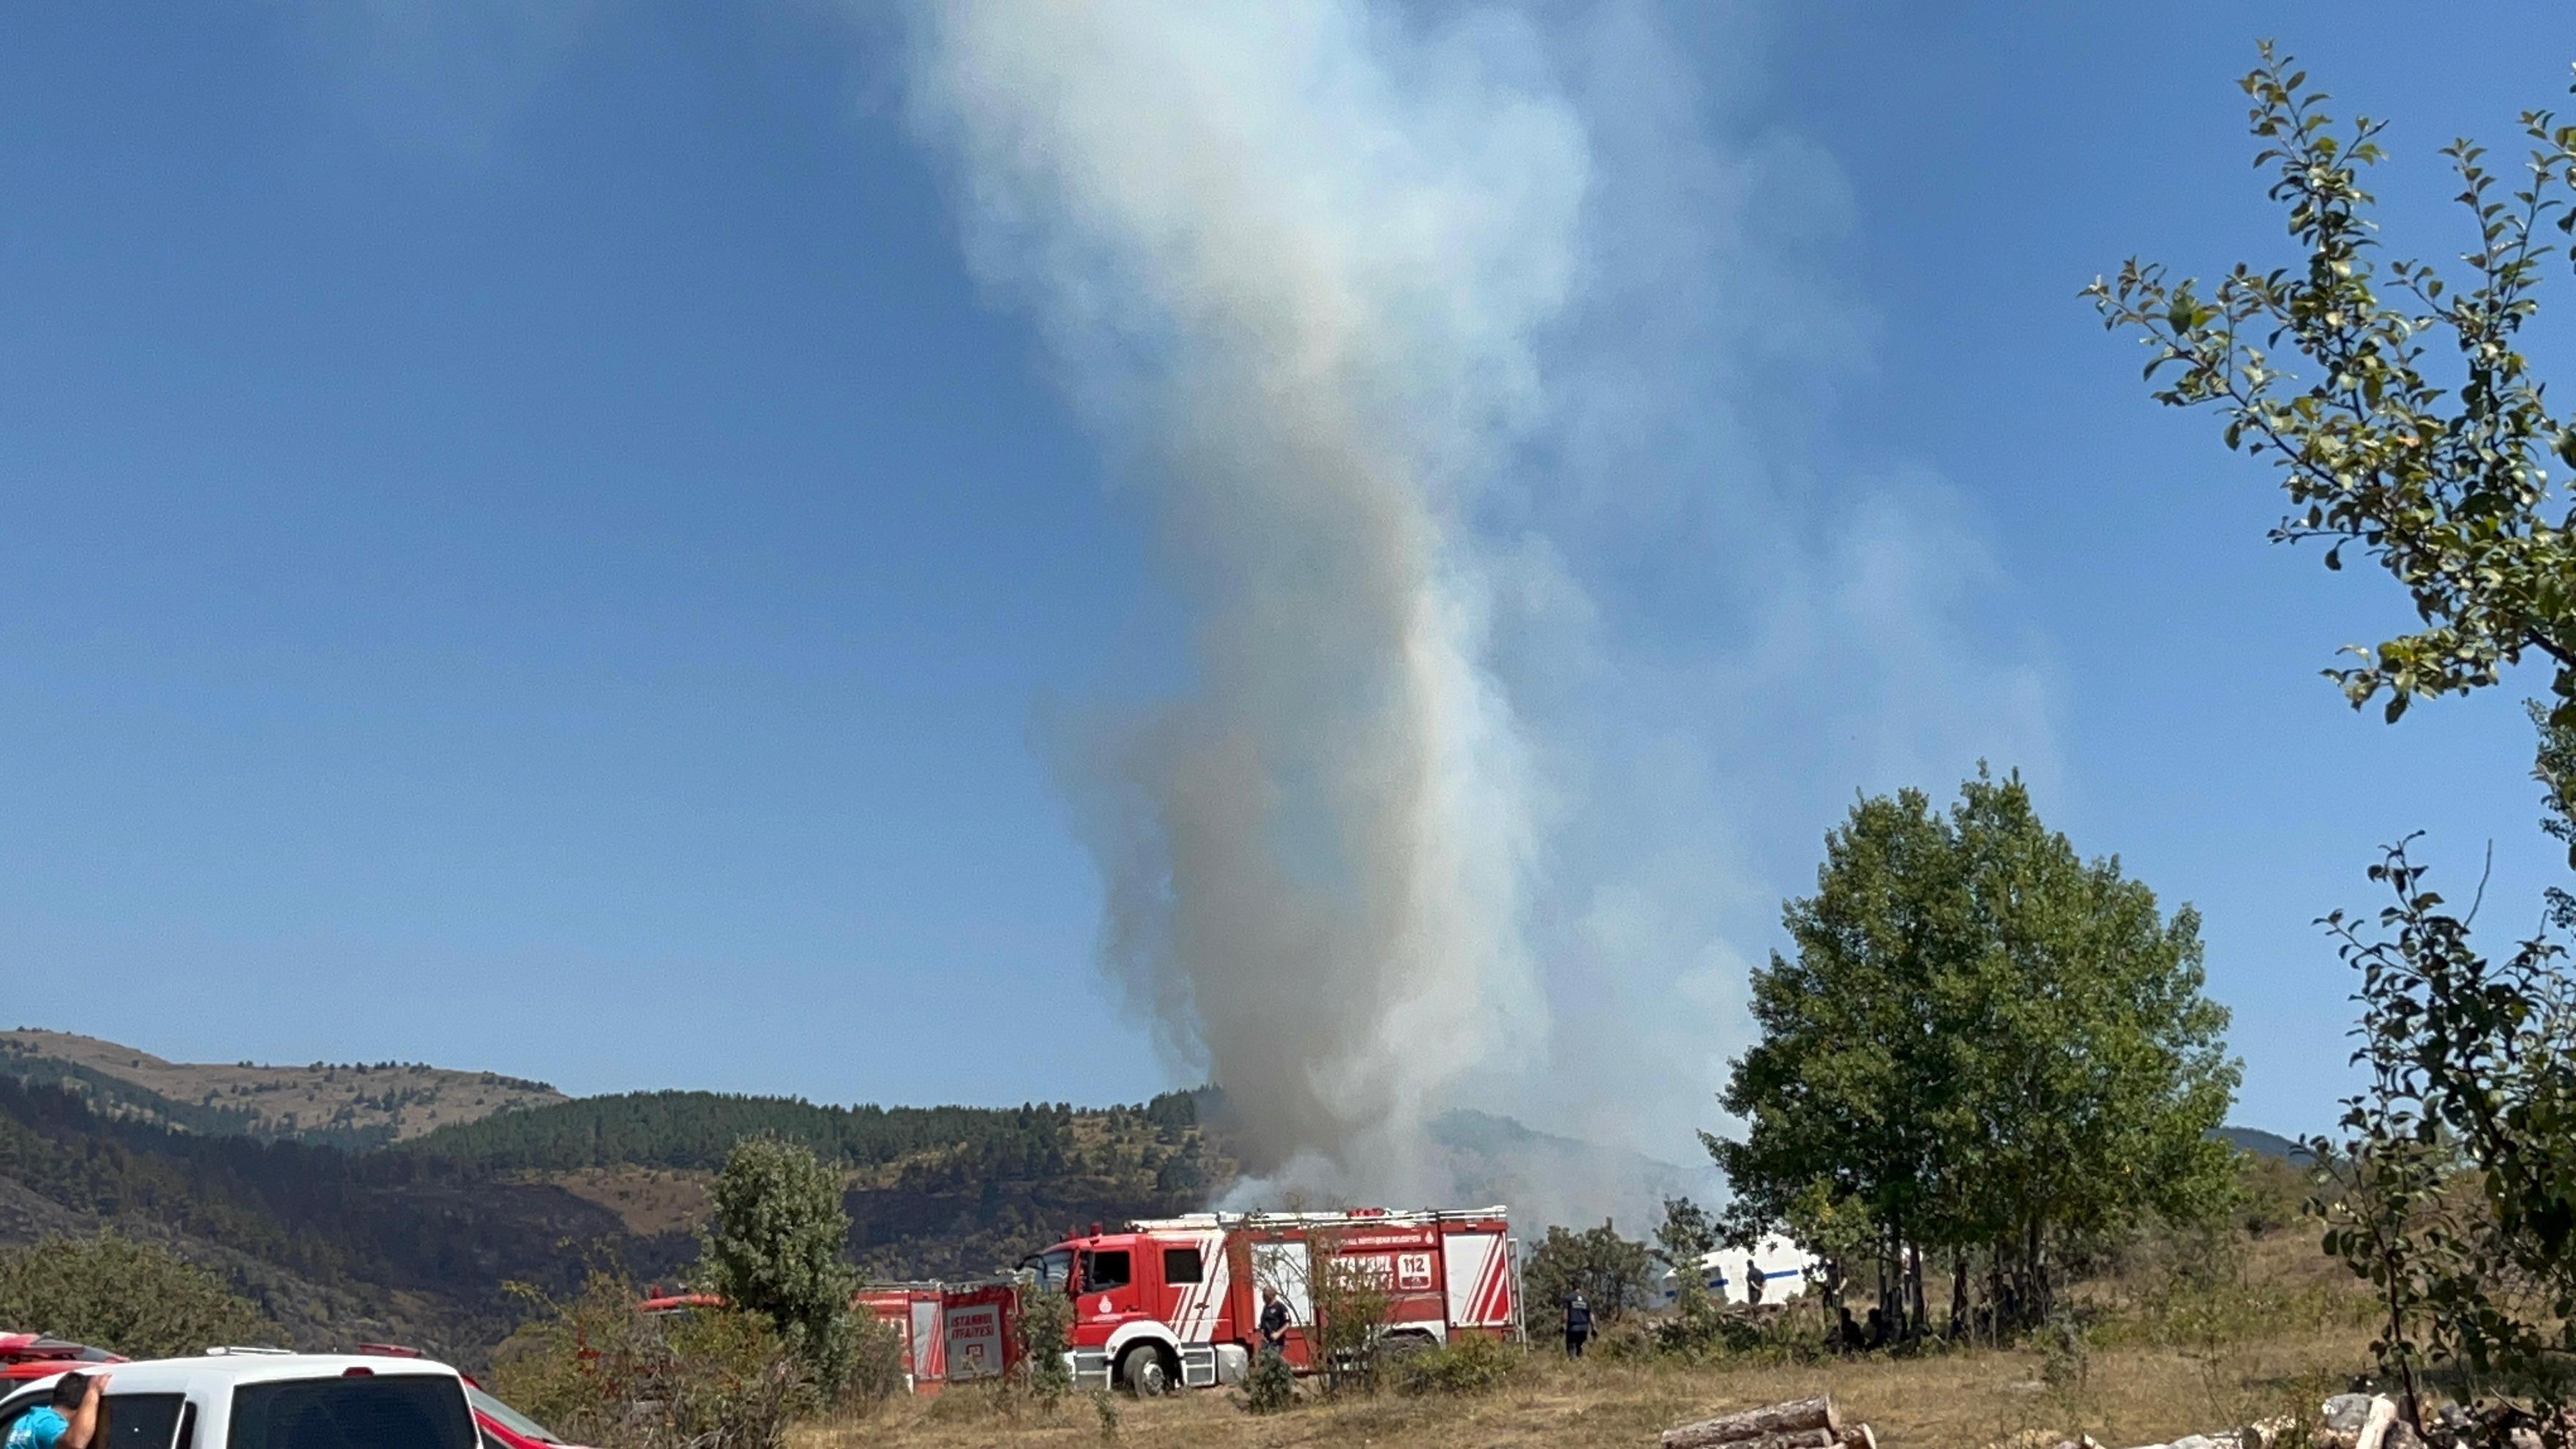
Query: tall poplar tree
x=1983 y=1043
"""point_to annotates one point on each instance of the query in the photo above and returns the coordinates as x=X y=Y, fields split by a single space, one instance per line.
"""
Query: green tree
x=1611 y=1272
x=1686 y=1236
x=137 y=1299
x=772 y=1246
x=2458 y=1169
x=1982 y=1041
x=1683 y=1241
x=2438 y=473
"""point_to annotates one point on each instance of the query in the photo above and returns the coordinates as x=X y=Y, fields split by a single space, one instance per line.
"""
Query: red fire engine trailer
x=1177 y=1301
x=950 y=1332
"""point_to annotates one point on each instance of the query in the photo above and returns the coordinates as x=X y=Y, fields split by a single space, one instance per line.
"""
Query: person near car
x=69 y=1420
x=1274 y=1321
x=1578 y=1325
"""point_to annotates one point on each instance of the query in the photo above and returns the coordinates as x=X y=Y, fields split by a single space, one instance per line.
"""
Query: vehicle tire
x=1144 y=1373
x=1408 y=1343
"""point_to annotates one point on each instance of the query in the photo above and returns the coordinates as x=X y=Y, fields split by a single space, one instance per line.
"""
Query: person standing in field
x=68 y=1420
x=1578 y=1324
x=1274 y=1321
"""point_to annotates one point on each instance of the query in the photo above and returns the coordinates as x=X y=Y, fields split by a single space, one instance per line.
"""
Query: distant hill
x=2264 y=1144
x=1546 y=1179
x=393 y=1201
x=339 y=1247
x=352 y=1105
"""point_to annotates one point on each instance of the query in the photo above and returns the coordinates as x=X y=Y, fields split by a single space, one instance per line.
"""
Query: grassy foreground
x=2170 y=1349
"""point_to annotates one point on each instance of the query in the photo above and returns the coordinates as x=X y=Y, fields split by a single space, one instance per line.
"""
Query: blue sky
x=528 y=547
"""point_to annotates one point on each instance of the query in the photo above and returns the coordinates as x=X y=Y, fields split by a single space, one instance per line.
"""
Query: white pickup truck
x=267 y=1400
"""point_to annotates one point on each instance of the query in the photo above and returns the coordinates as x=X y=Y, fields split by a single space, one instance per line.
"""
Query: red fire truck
x=1176 y=1302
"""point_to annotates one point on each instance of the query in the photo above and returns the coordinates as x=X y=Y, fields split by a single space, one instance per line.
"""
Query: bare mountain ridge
x=355 y=1105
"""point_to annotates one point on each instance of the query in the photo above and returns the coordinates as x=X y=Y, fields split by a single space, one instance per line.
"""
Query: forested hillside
x=337 y=1246
x=931 y=1191
x=696 y=1129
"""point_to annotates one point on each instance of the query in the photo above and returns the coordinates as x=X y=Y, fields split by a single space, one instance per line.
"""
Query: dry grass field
x=2167 y=1353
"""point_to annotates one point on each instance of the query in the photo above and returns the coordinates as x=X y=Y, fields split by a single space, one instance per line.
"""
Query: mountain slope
x=2264 y=1144
x=349 y=1105
x=337 y=1246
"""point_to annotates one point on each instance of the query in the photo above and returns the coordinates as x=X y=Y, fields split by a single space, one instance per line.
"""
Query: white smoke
x=1521 y=693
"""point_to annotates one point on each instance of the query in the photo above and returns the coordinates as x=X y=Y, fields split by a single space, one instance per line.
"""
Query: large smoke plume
x=1291 y=257
x=1301 y=262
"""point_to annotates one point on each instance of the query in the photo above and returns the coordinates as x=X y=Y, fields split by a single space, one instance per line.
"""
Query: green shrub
x=137 y=1299
x=1272 y=1385
x=1471 y=1365
x=1046 y=1331
x=598 y=1372
x=875 y=1371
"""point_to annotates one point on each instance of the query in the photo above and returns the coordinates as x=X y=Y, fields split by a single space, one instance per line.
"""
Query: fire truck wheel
x=1143 y=1372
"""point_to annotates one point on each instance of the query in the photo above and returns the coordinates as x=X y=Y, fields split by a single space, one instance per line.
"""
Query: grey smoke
x=1474 y=363
x=1292 y=258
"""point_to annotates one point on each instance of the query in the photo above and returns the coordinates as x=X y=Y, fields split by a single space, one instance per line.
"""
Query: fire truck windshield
x=1054 y=1270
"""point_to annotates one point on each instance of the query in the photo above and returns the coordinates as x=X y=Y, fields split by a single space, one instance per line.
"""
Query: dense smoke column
x=1290 y=257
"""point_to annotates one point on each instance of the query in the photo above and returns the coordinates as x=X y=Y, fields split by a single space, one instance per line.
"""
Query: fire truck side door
x=1286 y=1267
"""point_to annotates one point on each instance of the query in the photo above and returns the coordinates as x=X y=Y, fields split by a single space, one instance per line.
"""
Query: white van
x=252 y=1399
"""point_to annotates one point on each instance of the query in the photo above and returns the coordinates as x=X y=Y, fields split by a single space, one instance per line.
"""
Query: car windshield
x=510 y=1419
x=374 y=1411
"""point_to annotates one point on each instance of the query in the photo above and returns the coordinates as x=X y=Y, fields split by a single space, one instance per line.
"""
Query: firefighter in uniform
x=1578 y=1324
x=1274 y=1321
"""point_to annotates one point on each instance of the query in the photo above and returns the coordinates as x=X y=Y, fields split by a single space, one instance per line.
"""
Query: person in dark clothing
x=1578 y=1325
x=1274 y=1321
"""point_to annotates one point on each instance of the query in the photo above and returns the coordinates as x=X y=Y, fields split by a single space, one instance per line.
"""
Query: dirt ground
x=1954 y=1400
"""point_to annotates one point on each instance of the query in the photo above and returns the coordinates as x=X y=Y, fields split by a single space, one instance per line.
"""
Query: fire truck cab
x=1176 y=1302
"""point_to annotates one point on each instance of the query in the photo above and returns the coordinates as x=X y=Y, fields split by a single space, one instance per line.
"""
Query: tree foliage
x=2458 y=1169
x=2460 y=1165
x=772 y=1246
x=2419 y=436
x=1611 y=1272
x=1352 y=1299
x=1982 y=1042
x=1683 y=1241
x=1045 y=1327
x=137 y=1299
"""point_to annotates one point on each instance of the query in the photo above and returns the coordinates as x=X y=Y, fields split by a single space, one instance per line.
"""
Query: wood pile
x=2348 y=1421
x=1797 y=1424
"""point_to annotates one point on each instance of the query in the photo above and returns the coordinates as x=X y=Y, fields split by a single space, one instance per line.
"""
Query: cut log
x=1786 y=1439
x=2375 y=1425
x=1776 y=1421
x=1857 y=1436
